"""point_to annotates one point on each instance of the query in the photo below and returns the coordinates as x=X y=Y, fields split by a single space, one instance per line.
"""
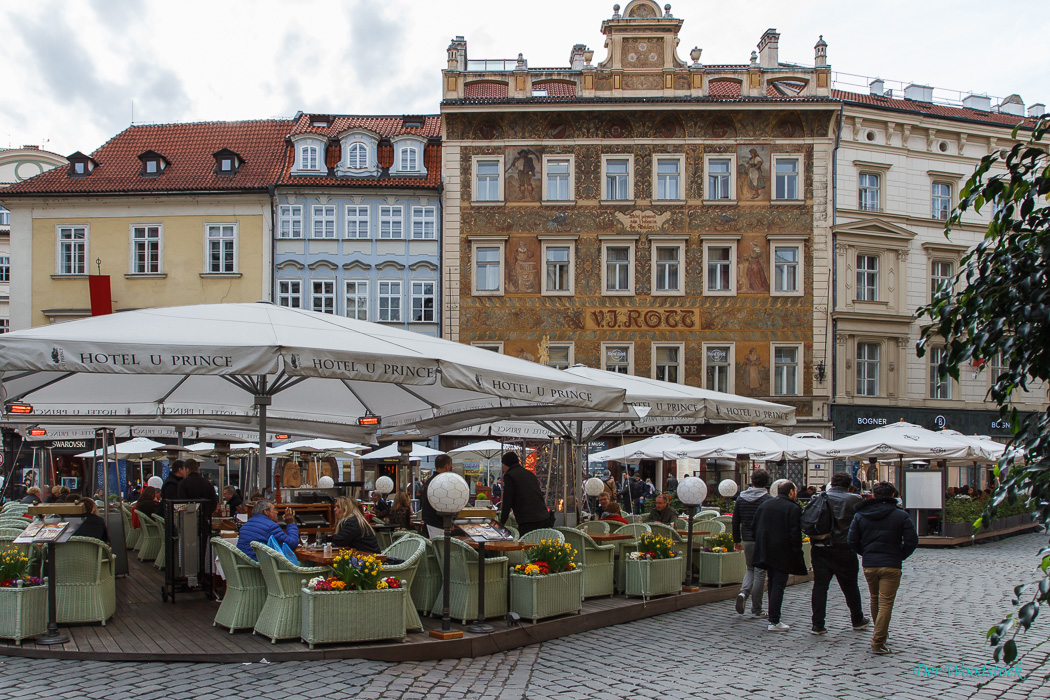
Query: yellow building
x=174 y=214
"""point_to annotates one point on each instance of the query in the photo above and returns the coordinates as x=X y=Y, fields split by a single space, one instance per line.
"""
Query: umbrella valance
x=649 y=448
x=756 y=442
x=896 y=440
x=391 y=452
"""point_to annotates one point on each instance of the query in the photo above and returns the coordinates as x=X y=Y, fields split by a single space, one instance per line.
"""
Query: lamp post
x=448 y=493
x=691 y=492
x=593 y=487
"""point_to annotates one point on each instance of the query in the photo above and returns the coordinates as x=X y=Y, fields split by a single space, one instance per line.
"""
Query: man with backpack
x=826 y=520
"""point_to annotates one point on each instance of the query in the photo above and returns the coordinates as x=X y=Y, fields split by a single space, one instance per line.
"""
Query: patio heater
x=448 y=493
x=691 y=492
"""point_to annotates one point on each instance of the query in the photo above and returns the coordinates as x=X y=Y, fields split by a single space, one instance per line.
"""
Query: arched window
x=409 y=158
x=308 y=157
x=357 y=156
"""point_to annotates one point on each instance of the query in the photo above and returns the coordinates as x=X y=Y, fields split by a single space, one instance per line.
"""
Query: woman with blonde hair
x=352 y=529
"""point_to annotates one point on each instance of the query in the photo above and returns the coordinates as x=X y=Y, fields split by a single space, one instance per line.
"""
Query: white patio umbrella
x=649 y=448
x=320 y=445
x=902 y=440
x=988 y=448
x=757 y=442
x=123 y=450
x=391 y=451
x=487 y=450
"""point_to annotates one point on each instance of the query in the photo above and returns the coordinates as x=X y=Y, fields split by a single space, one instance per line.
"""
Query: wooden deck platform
x=146 y=629
x=937 y=541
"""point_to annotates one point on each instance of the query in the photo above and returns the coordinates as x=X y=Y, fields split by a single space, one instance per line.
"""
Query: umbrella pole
x=262 y=400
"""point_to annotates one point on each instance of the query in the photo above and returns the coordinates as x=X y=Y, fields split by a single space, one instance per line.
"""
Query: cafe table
x=480 y=626
x=316 y=555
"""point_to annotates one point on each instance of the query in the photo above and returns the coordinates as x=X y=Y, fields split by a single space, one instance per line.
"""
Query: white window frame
x=384 y=292
x=679 y=365
x=325 y=215
x=309 y=162
x=490 y=346
x=74 y=244
x=404 y=144
x=208 y=226
x=867 y=362
x=864 y=191
x=799 y=244
x=629 y=158
x=618 y=242
x=571 y=193
x=730 y=364
x=420 y=294
x=424 y=217
x=799 y=177
x=133 y=248
x=731 y=244
x=630 y=355
x=357 y=155
x=934 y=276
x=553 y=242
x=327 y=293
x=570 y=354
x=289 y=221
x=353 y=219
x=289 y=290
x=731 y=157
x=5 y=269
x=359 y=296
x=655 y=244
x=5 y=217
x=868 y=273
x=678 y=158
x=774 y=379
x=941 y=203
x=500 y=179
x=408 y=158
x=939 y=388
x=392 y=217
x=500 y=244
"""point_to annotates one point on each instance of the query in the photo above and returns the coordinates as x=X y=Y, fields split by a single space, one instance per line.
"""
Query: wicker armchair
x=596 y=560
x=11 y=532
x=131 y=535
x=726 y=520
x=159 y=562
x=535 y=537
x=625 y=546
x=84 y=584
x=716 y=527
x=427 y=584
x=463 y=577
x=245 y=588
x=152 y=533
x=15 y=508
x=281 y=615
x=413 y=551
x=666 y=531
x=600 y=527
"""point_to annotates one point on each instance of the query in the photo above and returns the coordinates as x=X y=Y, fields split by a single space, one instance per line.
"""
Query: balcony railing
x=488 y=65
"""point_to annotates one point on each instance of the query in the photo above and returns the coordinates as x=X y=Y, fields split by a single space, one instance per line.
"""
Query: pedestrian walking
x=523 y=497
x=832 y=556
x=747 y=503
x=778 y=547
x=884 y=536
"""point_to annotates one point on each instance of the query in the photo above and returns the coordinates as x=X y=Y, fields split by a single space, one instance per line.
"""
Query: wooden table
x=480 y=626
x=608 y=537
x=685 y=533
x=317 y=556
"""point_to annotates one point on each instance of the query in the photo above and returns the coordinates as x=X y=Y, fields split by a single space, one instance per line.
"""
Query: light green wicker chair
x=84 y=584
x=159 y=562
x=596 y=561
x=245 y=588
x=152 y=529
x=131 y=535
x=427 y=584
x=600 y=527
x=11 y=532
x=512 y=530
x=633 y=518
x=15 y=508
x=667 y=531
x=705 y=515
x=282 y=614
x=463 y=577
x=412 y=550
x=625 y=546
x=535 y=537
x=716 y=527
x=726 y=520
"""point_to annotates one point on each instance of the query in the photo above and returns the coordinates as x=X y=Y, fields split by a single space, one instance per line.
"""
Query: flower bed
x=535 y=596
x=648 y=577
x=721 y=568
x=331 y=616
x=23 y=598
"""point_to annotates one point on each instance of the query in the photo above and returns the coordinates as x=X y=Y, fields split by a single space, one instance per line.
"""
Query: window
x=867 y=369
x=941 y=200
x=390 y=222
x=226 y=165
x=324 y=221
x=221 y=249
x=72 y=250
x=668 y=178
x=290 y=221
x=869 y=191
x=80 y=167
x=357 y=299
x=308 y=156
x=390 y=301
x=5 y=268
x=491 y=347
x=357 y=156
x=940 y=384
x=787 y=178
x=152 y=166
x=423 y=302
x=996 y=366
x=667 y=363
x=718 y=367
x=488 y=273
x=785 y=269
x=941 y=273
x=556 y=262
x=357 y=221
x=5 y=217
x=668 y=262
x=557 y=182
x=290 y=293
x=487 y=181
x=719 y=178
x=424 y=223
x=560 y=355
x=719 y=268
x=617 y=178
x=616 y=358
x=618 y=266
x=409 y=158
x=5 y=325
x=867 y=278
x=322 y=296
x=785 y=370
x=145 y=250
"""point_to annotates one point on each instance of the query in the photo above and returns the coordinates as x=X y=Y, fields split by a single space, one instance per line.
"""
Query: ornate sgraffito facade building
x=644 y=214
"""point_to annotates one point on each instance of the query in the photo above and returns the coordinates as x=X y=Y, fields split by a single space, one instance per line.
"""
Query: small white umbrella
x=391 y=451
x=650 y=448
x=320 y=445
x=134 y=447
x=757 y=442
x=897 y=440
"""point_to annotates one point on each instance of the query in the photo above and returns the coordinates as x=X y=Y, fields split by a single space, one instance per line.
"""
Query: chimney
x=877 y=87
x=576 y=57
x=820 y=53
x=1036 y=110
x=918 y=93
x=1013 y=104
x=768 y=49
x=981 y=103
x=457 y=54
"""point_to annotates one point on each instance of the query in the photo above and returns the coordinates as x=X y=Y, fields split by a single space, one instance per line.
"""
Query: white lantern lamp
x=384 y=485
x=775 y=487
x=727 y=488
x=593 y=487
x=448 y=493
x=326 y=482
x=691 y=492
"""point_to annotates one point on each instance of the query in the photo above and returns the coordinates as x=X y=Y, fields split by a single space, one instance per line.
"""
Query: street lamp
x=727 y=488
x=593 y=487
x=384 y=485
x=691 y=492
x=448 y=493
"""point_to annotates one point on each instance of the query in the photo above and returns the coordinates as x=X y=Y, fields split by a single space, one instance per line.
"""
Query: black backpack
x=817 y=522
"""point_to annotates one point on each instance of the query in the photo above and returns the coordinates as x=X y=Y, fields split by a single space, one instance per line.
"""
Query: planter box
x=352 y=616
x=1013 y=520
x=807 y=555
x=957 y=529
x=536 y=597
x=23 y=612
x=652 y=577
x=720 y=568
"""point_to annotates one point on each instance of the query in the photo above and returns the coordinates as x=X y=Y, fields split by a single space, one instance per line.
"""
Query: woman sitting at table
x=352 y=529
x=148 y=503
x=401 y=512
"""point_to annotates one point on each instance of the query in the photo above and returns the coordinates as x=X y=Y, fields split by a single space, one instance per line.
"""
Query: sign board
x=923 y=488
x=471 y=468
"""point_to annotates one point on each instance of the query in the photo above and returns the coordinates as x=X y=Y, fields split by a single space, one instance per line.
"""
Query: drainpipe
x=272 y=191
x=833 y=295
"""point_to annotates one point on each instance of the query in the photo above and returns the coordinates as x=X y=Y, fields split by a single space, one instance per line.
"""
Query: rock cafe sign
x=639 y=318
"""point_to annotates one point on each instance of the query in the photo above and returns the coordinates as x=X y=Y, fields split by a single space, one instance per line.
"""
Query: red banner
x=530 y=462
x=101 y=297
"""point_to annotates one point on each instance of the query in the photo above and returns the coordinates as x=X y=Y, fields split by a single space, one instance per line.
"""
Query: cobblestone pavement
x=947 y=601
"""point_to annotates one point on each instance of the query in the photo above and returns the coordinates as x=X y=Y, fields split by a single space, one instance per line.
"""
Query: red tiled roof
x=725 y=88
x=384 y=126
x=485 y=88
x=187 y=147
x=555 y=87
x=936 y=110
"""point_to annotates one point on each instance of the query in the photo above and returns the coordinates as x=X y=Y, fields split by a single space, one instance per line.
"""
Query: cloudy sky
x=71 y=69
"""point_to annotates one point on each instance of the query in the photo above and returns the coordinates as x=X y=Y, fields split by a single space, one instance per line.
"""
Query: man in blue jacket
x=884 y=536
x=264 y=524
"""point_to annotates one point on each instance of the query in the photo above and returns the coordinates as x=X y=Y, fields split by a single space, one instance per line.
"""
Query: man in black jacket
x=431 y=518
x=832 y=557
x=778 y=547
x=170 y=489
x=754 y=584
x=884 y=536
x=522 y=495
x=193 y=485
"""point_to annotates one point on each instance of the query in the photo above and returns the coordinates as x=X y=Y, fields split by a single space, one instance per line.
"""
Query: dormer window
x=409 y=158
x=80 y=165
x=308 y=157
x=80 y=168
x=153 y=163
x=360 y=153
x=227 y=162
x=357 y=156
x=408 y=154
x=309 y=154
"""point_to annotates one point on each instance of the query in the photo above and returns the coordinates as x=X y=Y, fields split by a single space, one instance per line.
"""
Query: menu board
x=29 y=533
x=50 y=532
x=486 y=531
